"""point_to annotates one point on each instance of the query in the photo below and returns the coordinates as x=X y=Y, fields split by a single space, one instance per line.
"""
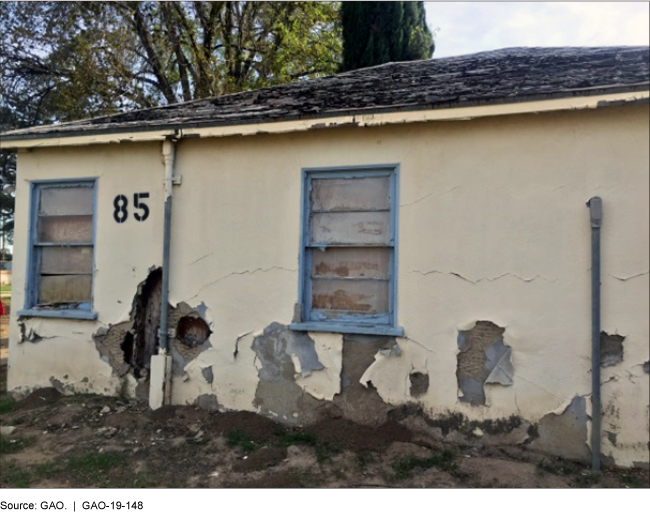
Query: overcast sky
x=468 y=27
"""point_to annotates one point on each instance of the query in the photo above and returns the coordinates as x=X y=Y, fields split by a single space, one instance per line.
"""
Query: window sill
x=392 y=331
x=85 y=315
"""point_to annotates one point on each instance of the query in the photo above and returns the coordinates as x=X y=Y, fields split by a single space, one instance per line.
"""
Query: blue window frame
x=348 y=256
x=61 y=249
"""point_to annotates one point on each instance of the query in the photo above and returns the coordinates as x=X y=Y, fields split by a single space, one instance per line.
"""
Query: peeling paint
x=208 y=374
x=483 y=358
x=277 y=392
x=208 y=402
x=419 y=384
x=611 y=349
x=565 y=434
x=128 y=346
x=325 y=383
x=359 y=400
x=30 y=334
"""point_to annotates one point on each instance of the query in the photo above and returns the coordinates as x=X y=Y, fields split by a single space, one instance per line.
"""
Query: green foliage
x=7 y=403
x=105 y=469
x=379 y=32
x=13 y=476
x=63 y=61
x=287 y=438
x=632 y=481
x=557 y=466
x=240 y=440
x=587 y=479
x=68 y=60
x=403 y=468
x=10 y=445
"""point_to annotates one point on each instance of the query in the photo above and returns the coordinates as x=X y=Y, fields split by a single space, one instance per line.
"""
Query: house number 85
x=121 y=204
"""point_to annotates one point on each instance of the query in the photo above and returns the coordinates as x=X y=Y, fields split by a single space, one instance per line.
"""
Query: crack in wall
x=30 y=335
x=404 y=205
x=474 y=282
x=237 y=273
x=627 y=278
x=236 y=351
x=203 y=257
x=420 y=344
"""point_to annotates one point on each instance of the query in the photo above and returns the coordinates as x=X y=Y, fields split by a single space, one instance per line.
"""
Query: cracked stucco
x=499 y=233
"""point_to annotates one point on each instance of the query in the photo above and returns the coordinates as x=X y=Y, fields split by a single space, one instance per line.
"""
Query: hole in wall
x=192 y=331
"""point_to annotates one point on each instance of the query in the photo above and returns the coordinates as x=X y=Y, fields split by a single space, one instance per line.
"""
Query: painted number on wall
x=121 y=204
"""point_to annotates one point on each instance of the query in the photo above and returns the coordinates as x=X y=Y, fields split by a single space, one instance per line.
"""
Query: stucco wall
x=492 y=227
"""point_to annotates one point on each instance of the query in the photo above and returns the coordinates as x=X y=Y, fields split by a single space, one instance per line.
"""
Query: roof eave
x=592 y=99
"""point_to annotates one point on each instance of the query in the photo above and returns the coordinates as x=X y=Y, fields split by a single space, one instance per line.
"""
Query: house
x=409 y=241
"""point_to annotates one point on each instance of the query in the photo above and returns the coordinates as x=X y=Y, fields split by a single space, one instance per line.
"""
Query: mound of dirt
x=39 y=398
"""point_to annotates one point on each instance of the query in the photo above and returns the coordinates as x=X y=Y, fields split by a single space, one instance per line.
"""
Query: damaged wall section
x=483 y=359
x=611 y=349
x=128 y=346
x=284 y=355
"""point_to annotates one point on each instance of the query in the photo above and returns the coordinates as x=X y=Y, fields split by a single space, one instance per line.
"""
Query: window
x=348 y=258
x=61 y=252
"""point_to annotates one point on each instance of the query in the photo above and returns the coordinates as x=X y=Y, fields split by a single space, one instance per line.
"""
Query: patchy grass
x=13 y=476
x=558 y=466
x=107 y=470
x=240 y=440
x=632 y=481
x=324 y=450
x=587 y=479
x=7 y=403
x=287 y=438
x=364 y=457
x=91 y=469
x=9 y=445
x=141 y=480
x=444 y=460
x=5 y=289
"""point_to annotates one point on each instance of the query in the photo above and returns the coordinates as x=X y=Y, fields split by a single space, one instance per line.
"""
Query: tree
x=379 y=32
x=62 y=61
x=66 y=60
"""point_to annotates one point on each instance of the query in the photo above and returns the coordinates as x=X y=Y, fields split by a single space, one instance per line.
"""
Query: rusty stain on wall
x=483 y=359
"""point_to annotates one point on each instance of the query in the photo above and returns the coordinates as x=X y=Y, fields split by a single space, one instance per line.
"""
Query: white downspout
x=160 y=381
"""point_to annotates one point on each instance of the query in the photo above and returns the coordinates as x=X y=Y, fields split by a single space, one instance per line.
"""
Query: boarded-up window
x=62 y=246
x=348 y=257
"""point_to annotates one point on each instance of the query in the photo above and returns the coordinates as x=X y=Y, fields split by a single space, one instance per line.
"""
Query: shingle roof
x=501 y=76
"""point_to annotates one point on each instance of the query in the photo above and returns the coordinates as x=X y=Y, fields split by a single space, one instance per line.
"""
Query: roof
x=506 y=76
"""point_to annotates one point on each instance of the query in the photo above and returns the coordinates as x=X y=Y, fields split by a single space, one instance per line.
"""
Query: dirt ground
x=52 y=441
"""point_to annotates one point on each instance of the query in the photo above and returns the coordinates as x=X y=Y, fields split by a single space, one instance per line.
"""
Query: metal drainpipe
x=595 y=205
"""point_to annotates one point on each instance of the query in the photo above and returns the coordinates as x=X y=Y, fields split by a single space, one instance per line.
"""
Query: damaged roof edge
x=365 y=117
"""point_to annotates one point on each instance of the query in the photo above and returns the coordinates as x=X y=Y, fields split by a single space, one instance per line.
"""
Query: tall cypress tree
x=379 y=32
